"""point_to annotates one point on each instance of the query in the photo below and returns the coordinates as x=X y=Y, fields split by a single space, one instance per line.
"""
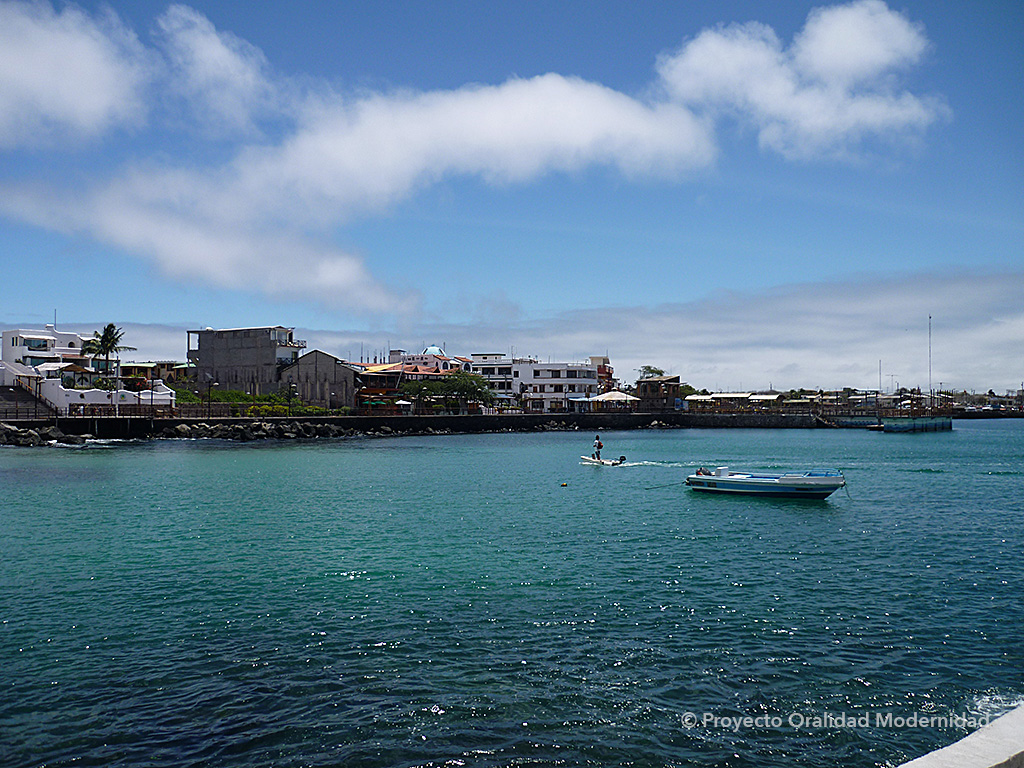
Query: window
x=515 y=374
x=488 y=371
x=570 y=374
x=504 y=371
x=556 y=387
x=556 y=374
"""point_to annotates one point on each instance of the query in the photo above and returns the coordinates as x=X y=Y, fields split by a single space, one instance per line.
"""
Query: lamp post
x=291 y=394
x=209 y=397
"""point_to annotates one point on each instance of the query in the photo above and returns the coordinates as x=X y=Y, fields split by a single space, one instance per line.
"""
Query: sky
x=749 y=195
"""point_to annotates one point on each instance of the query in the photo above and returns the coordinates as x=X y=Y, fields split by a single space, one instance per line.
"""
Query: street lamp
x=209 y=397
x=291 y=394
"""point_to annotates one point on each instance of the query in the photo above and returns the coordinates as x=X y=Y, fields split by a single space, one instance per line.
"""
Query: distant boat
x=603 y=462
x=815 y=484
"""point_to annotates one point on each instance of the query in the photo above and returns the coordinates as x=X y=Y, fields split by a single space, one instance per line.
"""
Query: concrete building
x=553 y=387
x=605 y=373
x=51 y=366
x=496 y=369
x=33 y=347
x=245 y=359
x=658 y=393
x=322 y=380
x=431 y=357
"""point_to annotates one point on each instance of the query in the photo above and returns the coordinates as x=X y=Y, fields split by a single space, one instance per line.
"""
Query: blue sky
x=746 y=194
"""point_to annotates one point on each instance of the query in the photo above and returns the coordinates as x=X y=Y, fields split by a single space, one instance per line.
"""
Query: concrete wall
x=1000 y=744
x=141 y=427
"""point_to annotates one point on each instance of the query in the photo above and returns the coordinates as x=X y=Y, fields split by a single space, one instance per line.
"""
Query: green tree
x=460 y=386
x=649 y=371
x=106 y=344
x=467 y=387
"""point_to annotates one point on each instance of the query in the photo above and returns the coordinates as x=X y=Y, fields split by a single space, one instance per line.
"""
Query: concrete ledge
x=1000 y=744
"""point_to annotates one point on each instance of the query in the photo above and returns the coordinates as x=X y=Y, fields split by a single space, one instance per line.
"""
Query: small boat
x=603 y=462
x=815 y=484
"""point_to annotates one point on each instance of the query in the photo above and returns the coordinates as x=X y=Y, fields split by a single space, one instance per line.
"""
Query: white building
x=538 y=387
x=496 y=368
x=51 y=365
x=553 y=387
x=431 y=357
x=32 y=347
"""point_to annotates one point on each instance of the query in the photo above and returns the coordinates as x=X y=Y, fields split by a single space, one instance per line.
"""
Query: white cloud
x=832 y=89
x=65 y=75
x=224 y=80
x=856 y=43
x=348 y=158
x=278 y=200
x=823 y=335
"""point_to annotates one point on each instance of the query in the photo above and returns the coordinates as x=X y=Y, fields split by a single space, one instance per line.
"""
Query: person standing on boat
x=598 y=445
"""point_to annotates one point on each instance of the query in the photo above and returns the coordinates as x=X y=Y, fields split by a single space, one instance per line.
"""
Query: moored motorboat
x=813 y=484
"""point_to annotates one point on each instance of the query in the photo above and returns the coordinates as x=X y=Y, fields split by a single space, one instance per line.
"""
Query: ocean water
x=486 y=600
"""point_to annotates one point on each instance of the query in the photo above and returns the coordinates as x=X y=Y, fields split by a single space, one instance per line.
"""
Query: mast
x=931 y=402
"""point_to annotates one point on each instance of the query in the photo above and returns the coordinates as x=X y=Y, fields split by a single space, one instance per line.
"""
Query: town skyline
x=746 y=195
x=160 y=342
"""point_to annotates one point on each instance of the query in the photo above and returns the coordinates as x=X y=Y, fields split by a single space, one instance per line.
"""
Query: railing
x=826 y=411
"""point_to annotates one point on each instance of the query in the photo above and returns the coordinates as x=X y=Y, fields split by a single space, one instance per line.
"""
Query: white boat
x=603 y=462
x=815 y=484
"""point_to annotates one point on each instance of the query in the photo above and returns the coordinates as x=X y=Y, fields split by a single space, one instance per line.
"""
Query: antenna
x=930 y=403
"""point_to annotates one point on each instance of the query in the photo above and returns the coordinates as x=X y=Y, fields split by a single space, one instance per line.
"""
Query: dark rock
x=27 y=438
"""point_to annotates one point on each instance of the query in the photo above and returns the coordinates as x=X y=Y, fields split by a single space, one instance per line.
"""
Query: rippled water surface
x=486 y=600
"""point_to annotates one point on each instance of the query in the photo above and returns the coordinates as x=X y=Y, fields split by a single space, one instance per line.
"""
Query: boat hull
x=808 y=485
x=602 y=462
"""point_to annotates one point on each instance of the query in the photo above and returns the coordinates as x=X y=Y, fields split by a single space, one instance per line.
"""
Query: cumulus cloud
x=833 y=87
x=821 y=335
x=281 y=195
x=65 y=75
x=223 y=79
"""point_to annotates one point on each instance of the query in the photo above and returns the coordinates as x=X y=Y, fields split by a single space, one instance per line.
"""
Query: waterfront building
x=553 y=387
x=658 y=393
x=51 y=366
x=431 y=357
x=245 y=359
x=33 y=347
x=496 y=369
x=320 y=379
x=605 y=373
x=380 y=386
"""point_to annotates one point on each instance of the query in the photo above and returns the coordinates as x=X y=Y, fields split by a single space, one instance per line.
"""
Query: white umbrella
x=615 y=396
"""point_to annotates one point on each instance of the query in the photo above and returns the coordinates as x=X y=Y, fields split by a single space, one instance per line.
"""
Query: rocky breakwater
x=262 y=430
x=30 y=438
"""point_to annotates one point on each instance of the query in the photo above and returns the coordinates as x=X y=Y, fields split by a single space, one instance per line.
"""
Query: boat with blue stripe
x=813 y=484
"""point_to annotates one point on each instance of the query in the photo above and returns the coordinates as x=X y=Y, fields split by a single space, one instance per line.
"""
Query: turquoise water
x=447 y=601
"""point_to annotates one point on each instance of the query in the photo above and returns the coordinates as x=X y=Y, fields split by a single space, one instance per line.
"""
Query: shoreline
x=74 y=430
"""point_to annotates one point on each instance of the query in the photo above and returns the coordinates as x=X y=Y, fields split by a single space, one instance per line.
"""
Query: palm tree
x=107 y=343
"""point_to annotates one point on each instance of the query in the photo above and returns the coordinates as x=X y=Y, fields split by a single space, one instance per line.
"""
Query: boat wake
x=672 y=464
